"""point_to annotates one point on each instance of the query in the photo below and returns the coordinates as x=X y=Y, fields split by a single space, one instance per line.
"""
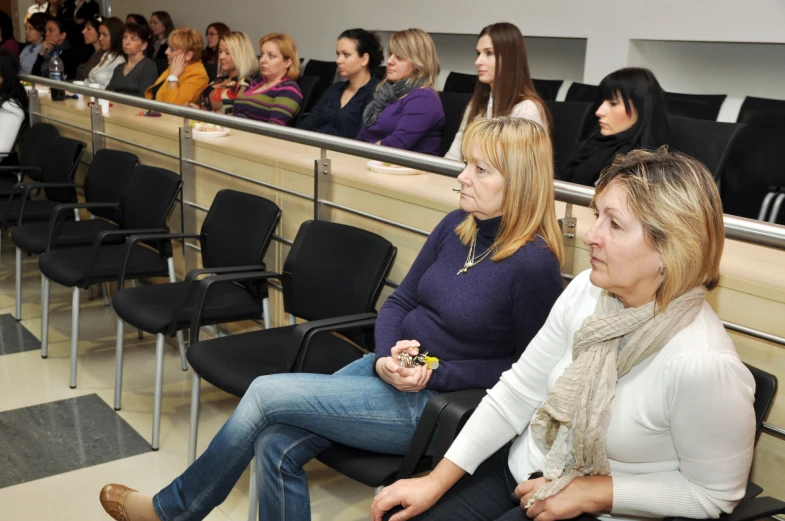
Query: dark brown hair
x=210 y=55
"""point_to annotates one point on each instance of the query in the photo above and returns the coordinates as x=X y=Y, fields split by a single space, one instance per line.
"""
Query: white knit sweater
x=682 y=429
x=11 y=118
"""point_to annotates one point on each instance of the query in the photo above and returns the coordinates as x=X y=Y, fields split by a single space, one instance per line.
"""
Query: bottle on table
x=56 y=73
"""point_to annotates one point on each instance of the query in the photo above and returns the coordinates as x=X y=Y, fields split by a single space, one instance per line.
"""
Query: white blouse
x=102 y=73
x=11 y=118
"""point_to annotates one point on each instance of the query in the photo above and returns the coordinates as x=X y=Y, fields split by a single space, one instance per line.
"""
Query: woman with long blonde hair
x=238 y=67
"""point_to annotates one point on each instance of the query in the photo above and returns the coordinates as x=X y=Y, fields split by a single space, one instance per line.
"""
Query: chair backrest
x=237 y=229
x=307 y=87
x=460 y=82
x=711 y=102
x=334 y=270
x=548 y=89
x=569 y=120
x=706 y=141
x=212 y=71
x=59 y=166
x=324 y=71
x=107 y=178
x=454 y=104
x=148 y=198
x=583 y=92
x=765 y=390
x=761 y=108
x=33 y=146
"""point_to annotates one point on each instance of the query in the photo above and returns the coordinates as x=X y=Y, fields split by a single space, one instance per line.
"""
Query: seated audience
x=185 y=79
x=35 y=32
x=631 y=400
x=111 y=38
x=7 y=39
x=13 y=102
x=56 y=42
x=59 y=9
x=90 y=33
x=405 y=111
x=339 y=112
x=501 y=90
x=161 y=25
x=275 y=96
x=474 y=322
x=83 y=10
x=139 y=71
x=237 y=67
x=632 y=115
x=139 y=19
x=39 y=6
x=213 y=34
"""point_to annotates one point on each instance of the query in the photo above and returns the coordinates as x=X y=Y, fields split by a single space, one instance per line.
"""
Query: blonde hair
x=288 y=50
x=243 y=54
x=521 y=150
x=187 y=39
x=416 y=46
x=679 y=206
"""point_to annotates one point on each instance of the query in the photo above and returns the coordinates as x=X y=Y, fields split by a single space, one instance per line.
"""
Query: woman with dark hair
x=632 y=115
x=161 y=25
x=111 y=39
x=214 y=33
x=83 y=10
x=339 y=111
x=13 y=101
x=139 y=71
x=7 y=40
x=56 y=41
x=91 y=36
x=35 y=31
x=504 y=83
x=138 y=19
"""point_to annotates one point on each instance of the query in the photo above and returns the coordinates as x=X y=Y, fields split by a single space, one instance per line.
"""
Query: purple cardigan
x=413 y=122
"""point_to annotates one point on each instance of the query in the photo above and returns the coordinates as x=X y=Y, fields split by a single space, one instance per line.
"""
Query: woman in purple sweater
x=406 y=112
x=478 y=292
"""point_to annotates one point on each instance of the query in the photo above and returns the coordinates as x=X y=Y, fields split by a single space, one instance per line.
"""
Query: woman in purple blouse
x=406 y=111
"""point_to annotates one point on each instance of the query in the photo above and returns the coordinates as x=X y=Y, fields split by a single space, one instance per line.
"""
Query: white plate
x=381 y=168
x=213 y=133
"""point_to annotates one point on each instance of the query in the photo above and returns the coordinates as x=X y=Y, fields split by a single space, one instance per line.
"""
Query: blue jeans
x=286 y=420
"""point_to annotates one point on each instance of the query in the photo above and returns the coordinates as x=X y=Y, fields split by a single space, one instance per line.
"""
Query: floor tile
x=15 y=338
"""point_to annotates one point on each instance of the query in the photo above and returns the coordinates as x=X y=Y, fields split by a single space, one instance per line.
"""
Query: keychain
x=409 y=361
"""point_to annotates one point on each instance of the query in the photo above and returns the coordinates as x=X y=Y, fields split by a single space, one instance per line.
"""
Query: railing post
x=96 y=125
x=321 y=171
x=568 y=228
x=188 y=175
x=34 y=106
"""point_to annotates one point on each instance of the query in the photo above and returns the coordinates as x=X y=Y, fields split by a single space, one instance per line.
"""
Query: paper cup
x=81 y=84
x=104 y=103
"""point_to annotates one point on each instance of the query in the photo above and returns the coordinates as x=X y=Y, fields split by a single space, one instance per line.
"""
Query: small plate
x=385 y=168
x=211 y=133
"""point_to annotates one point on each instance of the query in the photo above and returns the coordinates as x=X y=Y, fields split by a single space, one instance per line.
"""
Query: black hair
x=637 y=88
x=11 y=88
x=6 y=27
x=366 y=43
x=62 y=25
x=141 y=31
x=38 y=22
x=93 y=22
x=166 y=19
x=138 y=19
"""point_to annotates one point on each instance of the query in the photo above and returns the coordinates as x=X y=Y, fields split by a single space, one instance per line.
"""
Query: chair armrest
x=28 y=187
x=204 y=288
x=305 y=332
x=10 y=168
x=101 y=237
x=748 y=510
x=53 y=185
x=60 y=209
x=137 y=238
x=462 y=405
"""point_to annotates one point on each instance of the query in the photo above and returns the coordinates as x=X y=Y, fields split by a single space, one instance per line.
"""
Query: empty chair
x=104 y=183
x=569 y=120
x=460 y=82
x=325 y=72
x=454 y=104
x=698 y=106
x=707 y=141
x=32 y=144
x=228 y=244
x=583 y=92
x=308 y=86
x=548 y=89
x=761 y=109
x=145 y=206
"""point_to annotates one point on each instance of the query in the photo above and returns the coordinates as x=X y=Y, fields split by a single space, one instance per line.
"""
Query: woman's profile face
x=486 y=60
x=482 y=188
x=104 y=38
x=53 y=34
x=622 y=262
x=614 y=118
x=399 y=68
x=156 y=26
x=212 y=37
x=32 y=35
x=349 y=62
x=225 y=57
x=90 y=34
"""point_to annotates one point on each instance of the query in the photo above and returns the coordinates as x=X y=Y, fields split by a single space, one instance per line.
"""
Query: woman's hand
x=178 y=66
x=408 y=380
x=46 y=47
x=415 y=495
x=586 y=494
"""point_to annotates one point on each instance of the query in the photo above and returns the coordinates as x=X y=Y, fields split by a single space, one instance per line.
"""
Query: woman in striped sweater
x=275 y=97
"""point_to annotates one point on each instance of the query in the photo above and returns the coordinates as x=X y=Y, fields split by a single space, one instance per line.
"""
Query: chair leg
x=19 y=284
x=139 y=332
x=159 y=381
x=44 y=316
x=253 y=494
x=196 y=383
x=105 y=291
x=74 y=335
x=90 y=294
x=266 y=312
x=118 y=368
x=181 y=345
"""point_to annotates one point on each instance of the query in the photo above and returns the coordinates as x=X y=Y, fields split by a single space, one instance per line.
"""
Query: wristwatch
x=172 y=78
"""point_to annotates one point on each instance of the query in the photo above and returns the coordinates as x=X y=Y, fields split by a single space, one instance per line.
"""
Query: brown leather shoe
x=112 y=499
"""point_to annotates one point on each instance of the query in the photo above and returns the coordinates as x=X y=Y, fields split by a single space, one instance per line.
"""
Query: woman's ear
x=366 y=58
x=189 y=56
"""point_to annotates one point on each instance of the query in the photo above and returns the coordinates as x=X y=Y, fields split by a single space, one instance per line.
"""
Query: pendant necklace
x=471 y=260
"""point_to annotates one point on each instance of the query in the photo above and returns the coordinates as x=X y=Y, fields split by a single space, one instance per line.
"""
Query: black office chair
x=569 y=120
x=104 y=182
x=548 y=89
x=760 y=109
x=234 y=236
x=308 y=86
x=146 y=203
x=583 y=92
x=33 y=143
x=212 y=71
x=697 y=106
x=324 y=71
x=706 y=141
x=454 y=104
x=460 y=82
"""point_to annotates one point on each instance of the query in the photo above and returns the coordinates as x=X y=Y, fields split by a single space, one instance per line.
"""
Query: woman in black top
x=340 y=110
x=56 y=40
x=139 y=71
x=632 y=115
x=161 y=26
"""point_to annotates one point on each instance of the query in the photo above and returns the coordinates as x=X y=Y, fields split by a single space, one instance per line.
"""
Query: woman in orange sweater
x=186 y=78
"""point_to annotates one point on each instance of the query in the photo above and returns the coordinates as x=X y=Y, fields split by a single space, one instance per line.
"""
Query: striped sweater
x=279 y=104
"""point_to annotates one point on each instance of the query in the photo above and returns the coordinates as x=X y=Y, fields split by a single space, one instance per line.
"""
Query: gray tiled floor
x=14 y=337
x=52 y=438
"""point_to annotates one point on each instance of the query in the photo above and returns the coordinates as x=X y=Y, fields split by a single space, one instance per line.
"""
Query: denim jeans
x=286 y=420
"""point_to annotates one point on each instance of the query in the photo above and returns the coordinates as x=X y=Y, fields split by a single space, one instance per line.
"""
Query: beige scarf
x=572 y=422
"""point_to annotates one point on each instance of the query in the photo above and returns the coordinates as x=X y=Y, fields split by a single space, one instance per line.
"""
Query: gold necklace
x=471 y=261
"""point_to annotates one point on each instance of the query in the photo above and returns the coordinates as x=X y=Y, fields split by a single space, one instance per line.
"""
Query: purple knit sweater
x=474 y=322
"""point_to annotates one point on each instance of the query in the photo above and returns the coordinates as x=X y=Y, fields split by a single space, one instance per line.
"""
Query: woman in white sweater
x=631 y=400
x=13 y=100
x=110 y=36
x=502 y=90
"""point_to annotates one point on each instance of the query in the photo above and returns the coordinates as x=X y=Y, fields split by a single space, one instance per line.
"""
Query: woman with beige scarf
x=631 y=400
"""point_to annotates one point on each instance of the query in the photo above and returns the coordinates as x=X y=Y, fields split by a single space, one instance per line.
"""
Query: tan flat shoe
x=113 y=498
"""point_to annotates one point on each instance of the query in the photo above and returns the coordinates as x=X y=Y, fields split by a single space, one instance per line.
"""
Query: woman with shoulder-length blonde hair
x=474 y=303
x=238 y=68
x=274 y=96
x=406 y=111
x=631 y=400
x=185 y=78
